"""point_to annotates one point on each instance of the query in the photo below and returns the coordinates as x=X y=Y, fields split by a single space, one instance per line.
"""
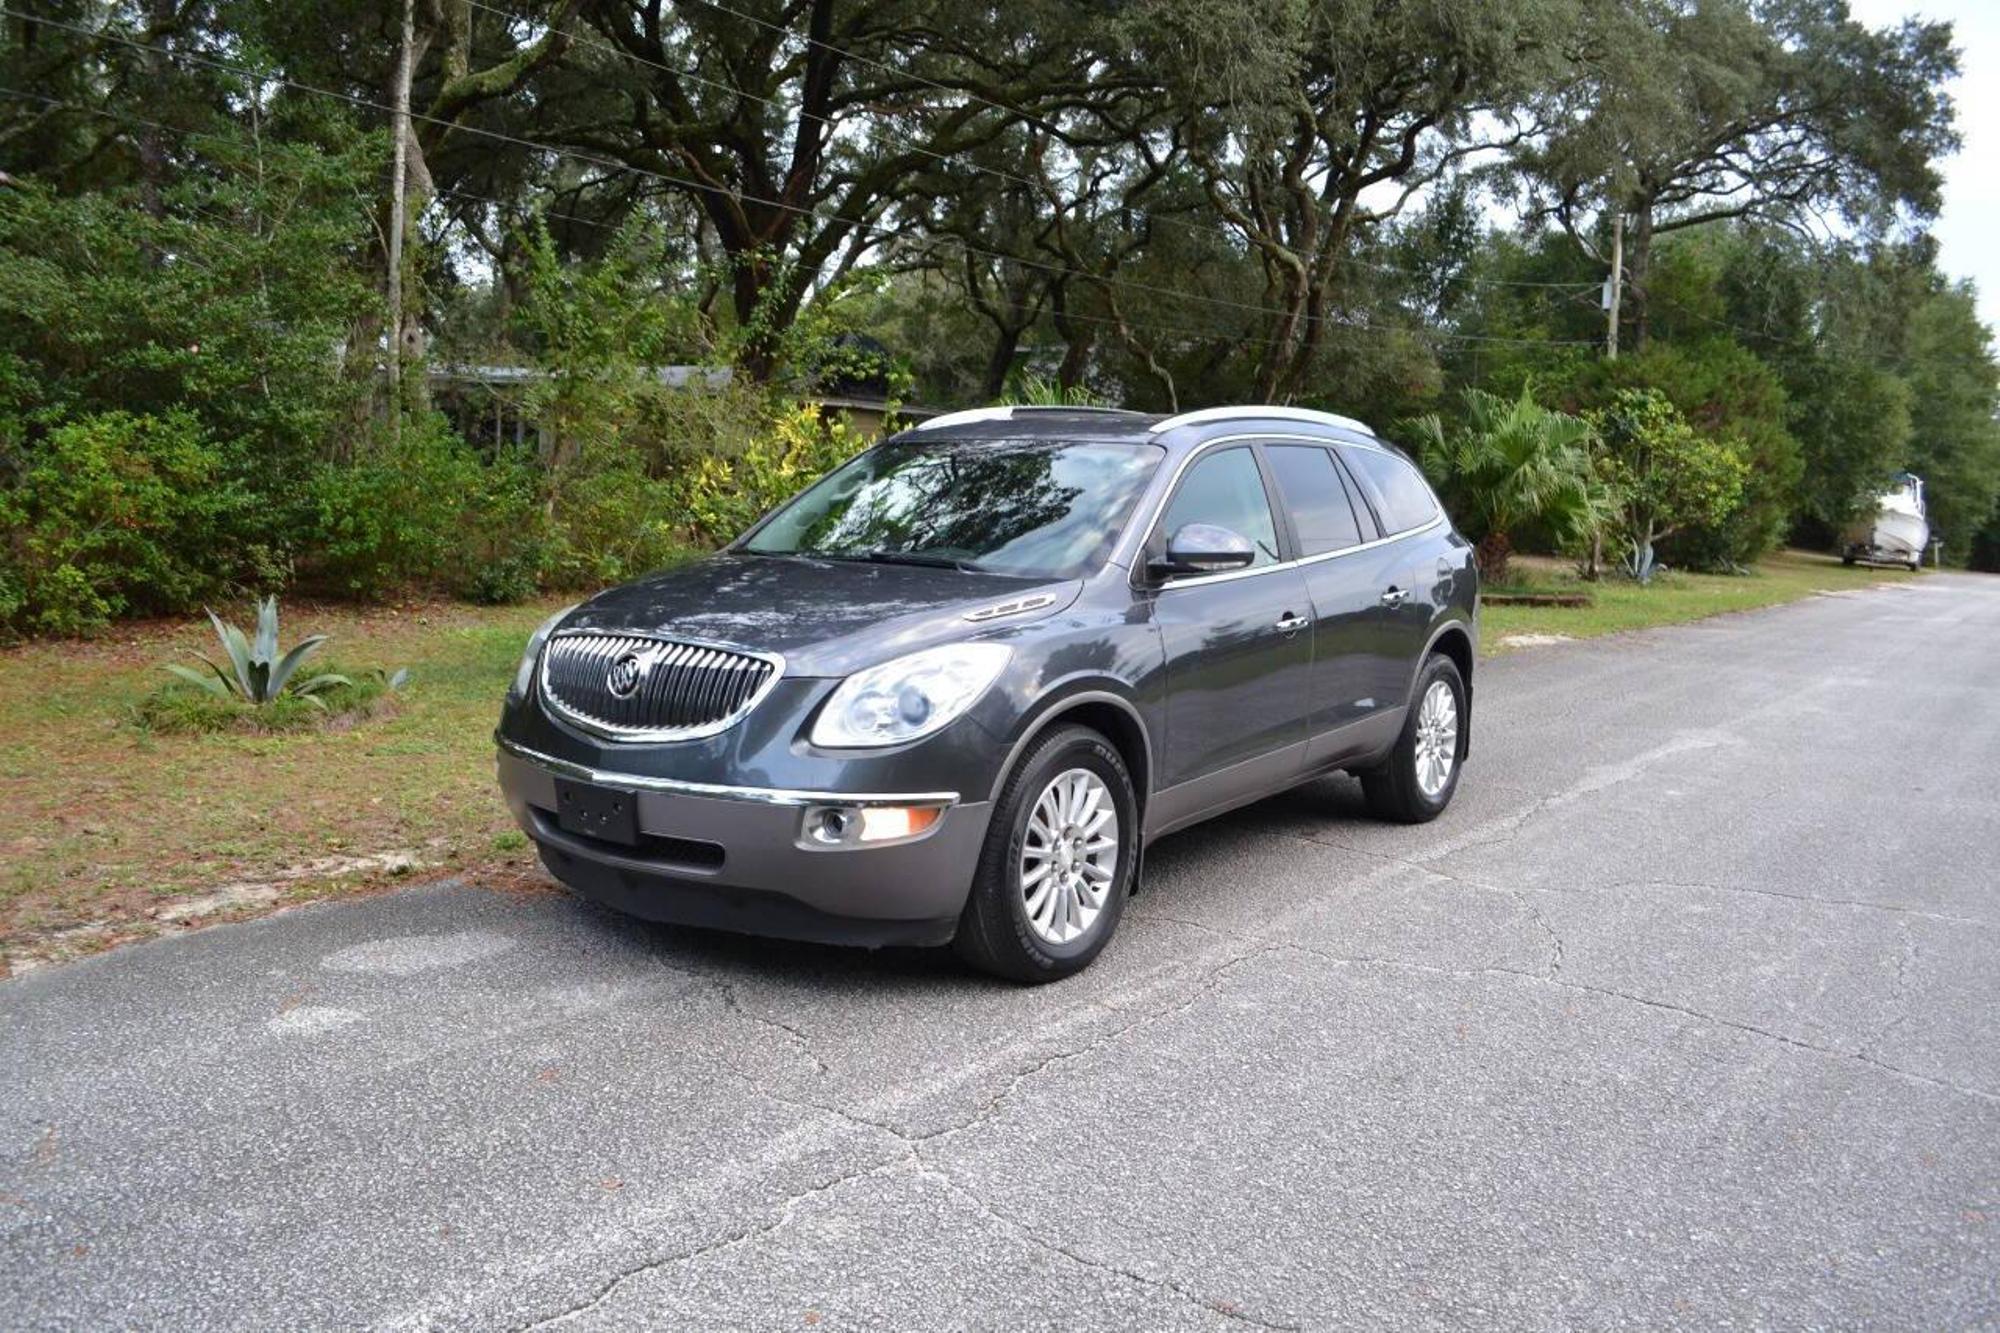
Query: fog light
x=852 y=825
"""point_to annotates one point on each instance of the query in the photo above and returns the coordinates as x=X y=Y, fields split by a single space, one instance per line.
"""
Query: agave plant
x=258 y=674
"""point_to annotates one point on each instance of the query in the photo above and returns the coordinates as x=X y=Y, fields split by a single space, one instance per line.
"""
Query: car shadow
x=728 y=957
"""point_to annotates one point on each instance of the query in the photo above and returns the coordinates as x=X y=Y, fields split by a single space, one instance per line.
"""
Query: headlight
x=910 y=697
x=524 y=675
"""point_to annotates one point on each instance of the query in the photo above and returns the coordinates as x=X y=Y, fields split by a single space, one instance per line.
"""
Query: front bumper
x=732 y=858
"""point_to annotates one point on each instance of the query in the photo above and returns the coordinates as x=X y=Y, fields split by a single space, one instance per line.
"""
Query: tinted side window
x=1227 y=490
x=1401 y=499
x=1316 y=496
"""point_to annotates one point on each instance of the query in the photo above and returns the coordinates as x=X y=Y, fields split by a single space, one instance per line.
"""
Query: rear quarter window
x=1401 y=497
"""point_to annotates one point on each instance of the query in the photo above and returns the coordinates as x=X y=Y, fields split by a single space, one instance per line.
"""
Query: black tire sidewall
x=1072 y=748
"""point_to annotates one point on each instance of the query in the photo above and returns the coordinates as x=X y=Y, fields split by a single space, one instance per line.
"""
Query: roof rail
x=1008 y=411
x=966 y=417
x=1208 y=414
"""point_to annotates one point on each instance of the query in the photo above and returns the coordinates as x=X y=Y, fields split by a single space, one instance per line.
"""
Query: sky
x=1970 y=221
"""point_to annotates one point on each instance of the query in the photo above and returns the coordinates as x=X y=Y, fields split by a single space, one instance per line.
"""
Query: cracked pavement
x=1686 y=1014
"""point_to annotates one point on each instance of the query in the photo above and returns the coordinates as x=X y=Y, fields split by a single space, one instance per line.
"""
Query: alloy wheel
x=1437 y=738
x=1069 y=857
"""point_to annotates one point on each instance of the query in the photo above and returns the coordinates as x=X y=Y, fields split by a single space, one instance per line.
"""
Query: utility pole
x=1614 y=289
x=398 y=181
x=1616 y=286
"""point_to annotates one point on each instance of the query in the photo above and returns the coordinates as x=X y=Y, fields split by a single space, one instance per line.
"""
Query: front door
x=1238 y=648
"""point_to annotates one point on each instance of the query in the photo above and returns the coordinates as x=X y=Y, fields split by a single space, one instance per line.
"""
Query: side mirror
x=1204 y=548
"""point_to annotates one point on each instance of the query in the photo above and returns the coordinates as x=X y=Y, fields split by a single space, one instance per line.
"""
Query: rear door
x=1238 y=646
x=1402 y=572
x=1329 y=521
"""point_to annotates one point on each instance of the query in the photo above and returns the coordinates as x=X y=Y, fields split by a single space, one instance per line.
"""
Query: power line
x=1144 y=326
x=684 y=182
x=1190 y=228
x=614 y=165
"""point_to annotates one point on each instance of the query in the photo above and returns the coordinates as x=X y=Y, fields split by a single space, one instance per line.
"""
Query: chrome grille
x=638 y=687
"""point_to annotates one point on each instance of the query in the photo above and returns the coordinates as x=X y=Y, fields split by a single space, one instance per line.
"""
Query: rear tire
x=1055 y=871
x=1415 y=783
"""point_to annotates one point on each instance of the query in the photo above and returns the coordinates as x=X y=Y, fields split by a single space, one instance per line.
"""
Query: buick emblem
x=625 y=675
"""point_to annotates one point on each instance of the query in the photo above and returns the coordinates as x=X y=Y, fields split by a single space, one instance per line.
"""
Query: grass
x=104 y=823
x=178 y=708
x=1671 y=599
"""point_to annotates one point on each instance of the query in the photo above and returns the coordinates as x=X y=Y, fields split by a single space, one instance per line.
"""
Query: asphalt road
x=1687 y=1013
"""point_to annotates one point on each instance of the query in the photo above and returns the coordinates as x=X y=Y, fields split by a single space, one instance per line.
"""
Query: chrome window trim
x=788 y=796
x=640 y=735
x=1190 y=580
x=1145 y=530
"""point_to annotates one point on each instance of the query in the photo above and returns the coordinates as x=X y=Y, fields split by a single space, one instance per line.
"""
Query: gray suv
x=952 y=690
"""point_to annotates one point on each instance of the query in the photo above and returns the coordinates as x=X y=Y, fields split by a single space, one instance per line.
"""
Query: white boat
x=1896 y=533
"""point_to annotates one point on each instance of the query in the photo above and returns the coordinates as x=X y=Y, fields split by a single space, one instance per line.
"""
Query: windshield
x=1040 y=509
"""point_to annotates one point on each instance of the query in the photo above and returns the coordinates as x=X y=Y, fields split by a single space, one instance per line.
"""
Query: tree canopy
x=1370 y=206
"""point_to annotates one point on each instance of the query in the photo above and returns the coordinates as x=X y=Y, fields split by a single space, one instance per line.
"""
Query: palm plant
x=1039 y=391
x=1514 y=462
x=258 y=673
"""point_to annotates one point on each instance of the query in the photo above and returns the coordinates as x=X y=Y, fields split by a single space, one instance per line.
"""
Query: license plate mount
x=604 y=813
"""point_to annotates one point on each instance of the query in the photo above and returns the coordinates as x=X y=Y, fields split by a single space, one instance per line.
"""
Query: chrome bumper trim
x=717 y=791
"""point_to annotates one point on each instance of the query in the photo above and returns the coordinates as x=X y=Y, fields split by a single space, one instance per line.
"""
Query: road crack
x=787 y=1209
x=1859 y=1055
x=1166 y=1285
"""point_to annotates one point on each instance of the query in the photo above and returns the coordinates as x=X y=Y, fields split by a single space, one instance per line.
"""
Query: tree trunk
x=1006 y=342
x=399 y=216
x=1078 y=339
x=1491 y=556
x=763 y=307
x=1638 y=266
x=162 y=18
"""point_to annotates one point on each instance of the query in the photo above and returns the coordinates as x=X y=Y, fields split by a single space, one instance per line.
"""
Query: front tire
x=1058 y=862
x=1415 y=783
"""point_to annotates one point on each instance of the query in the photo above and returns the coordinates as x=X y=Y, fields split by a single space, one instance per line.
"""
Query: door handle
x=1290 y=623
x=1395 y=597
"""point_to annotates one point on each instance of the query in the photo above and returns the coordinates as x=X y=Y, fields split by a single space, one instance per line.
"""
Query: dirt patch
x=1572 y=599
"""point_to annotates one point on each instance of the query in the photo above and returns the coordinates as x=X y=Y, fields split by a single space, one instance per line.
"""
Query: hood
x=826 y=617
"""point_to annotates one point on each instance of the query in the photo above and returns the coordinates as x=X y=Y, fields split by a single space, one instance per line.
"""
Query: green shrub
x=723 y=495
x=504 y=580
x=500 y=549
x=113 y=514
x=1663 y=475
x=612 y=522
x=390 y=518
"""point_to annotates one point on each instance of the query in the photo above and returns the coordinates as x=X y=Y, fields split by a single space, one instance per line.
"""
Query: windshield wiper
x=922 y=558
x=887 y=557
